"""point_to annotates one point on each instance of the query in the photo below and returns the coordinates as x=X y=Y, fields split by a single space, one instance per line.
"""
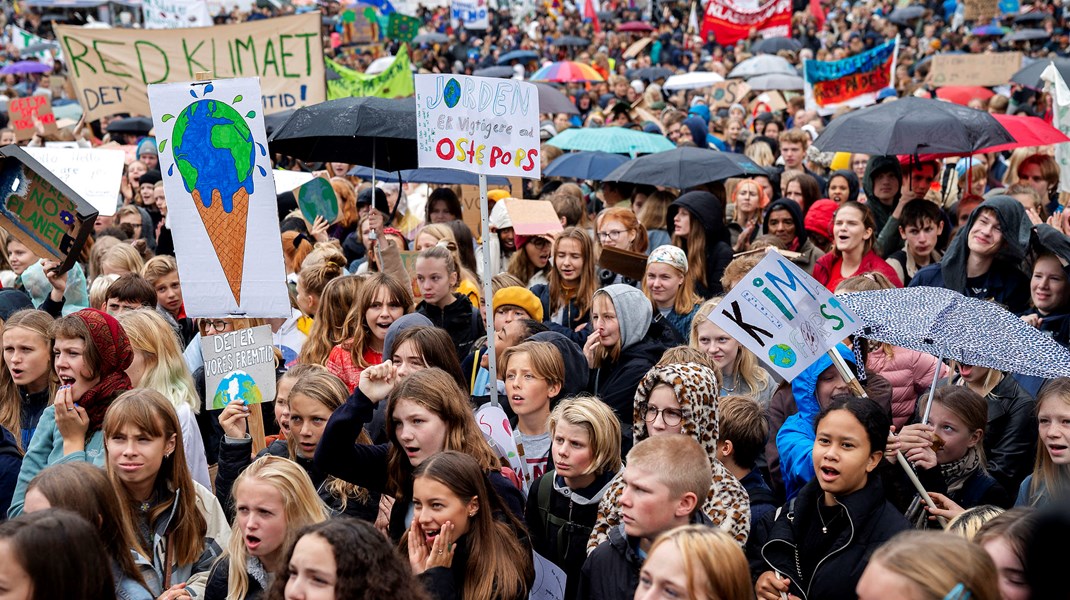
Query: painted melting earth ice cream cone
x=215 y=155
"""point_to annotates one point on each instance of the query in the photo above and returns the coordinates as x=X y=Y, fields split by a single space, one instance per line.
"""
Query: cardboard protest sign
x=221 y=197
x=95 y=173
x=532 y=217
x=408 y=260
x=974 y=69
x=980 y=10
x=112 y=68
x=175 y=14
x=23 y=114
x=317 y=199
x=853 y=81
x=624 y=262
x=732 y=21
x=469 y=196
x=41 y=211
x=472 y=13
x=239 y=365
x=784 y=316
x=727 y=93
x=478 y=124
x=494 y=425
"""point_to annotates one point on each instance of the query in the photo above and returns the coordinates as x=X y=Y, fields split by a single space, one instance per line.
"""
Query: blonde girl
x=274 y=498
x=1050 y=480
x=741 y=372
x=749 y=199
x=566 y=300
x=336 y=299
x=380 y=301
x=158 y=365
x=312 y=399
x=651 y=216
x=671 y=291
x=314 y=278
x=929 y=566
x=697 y=563
x=28 y=382
x=120 y=259
x=439 y=233
x=437 y=273
x=181 y=527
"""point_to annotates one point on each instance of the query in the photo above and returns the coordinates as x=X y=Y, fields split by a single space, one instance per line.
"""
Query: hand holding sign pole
x=486 y=126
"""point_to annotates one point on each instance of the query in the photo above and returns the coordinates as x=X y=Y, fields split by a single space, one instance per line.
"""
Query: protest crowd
x=778 y=308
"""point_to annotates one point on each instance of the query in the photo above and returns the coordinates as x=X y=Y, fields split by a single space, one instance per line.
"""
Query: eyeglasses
x=613 y=235
x=217 y=324
x=670 y=416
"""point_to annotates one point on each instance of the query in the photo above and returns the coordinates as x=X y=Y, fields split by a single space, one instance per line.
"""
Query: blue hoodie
x=795 y=440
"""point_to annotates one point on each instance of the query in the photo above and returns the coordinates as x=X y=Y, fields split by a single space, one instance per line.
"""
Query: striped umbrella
x=566 y=71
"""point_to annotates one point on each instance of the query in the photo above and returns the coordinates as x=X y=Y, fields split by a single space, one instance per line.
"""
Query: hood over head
x=852 y=182
x=1016 y=228
x=804 y=386
x=633 y=309
x=695 y=387
x=878 y=165
x=706 y=209
x=576 y=368
x=796 y=216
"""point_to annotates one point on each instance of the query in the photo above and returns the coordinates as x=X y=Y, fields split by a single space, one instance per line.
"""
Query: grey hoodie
x=633 y=312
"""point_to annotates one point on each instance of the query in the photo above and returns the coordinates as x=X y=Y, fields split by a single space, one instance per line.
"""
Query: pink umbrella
x=962 y=94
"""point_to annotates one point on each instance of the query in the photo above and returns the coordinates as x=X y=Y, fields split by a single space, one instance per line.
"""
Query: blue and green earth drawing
x=226 y=163
x=237 y=384
x=317 y=199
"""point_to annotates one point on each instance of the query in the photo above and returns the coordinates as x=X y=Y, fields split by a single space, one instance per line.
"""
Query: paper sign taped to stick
x=549 y=581
x=478 y=124
x=221 y=197
x=317 y=199
x=784 y=316
x=41 y=211
x=239 y=365
x=175 y=14
x=112 y=68
x=23 y=114
x=974 y=69
x=95 y=173
x=532 y=217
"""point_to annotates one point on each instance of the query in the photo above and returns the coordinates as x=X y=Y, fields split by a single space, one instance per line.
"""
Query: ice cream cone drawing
x=215 y=157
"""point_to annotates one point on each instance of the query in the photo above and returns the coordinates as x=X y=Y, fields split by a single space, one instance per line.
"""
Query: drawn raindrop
x=193 y=93
x=208 y=88
x=237 y=99
x=166 y=118
x=163 y=145
x=171 y=170
x=262 y=171
x=250 y=114
x=263 y=151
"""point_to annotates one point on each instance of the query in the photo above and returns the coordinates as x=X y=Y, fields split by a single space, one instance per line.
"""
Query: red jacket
x=827 y=269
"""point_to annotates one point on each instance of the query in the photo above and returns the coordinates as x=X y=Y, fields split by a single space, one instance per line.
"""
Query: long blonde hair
x=695 y=244
x=685 y=299
x=123 y=257
x=338 y=296
x=443 y=233
x=154 y=415
x=584 y=292
x=1050 y=479
x=300 y=504
x=714 y=554
x=936 y=563
x=166 y=369
x=38 y=322
x=746 y=364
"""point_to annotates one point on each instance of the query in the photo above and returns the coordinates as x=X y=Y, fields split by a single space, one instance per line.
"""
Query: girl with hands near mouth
x=461 y=543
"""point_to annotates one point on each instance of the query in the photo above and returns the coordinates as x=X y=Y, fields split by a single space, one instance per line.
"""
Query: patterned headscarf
x=115 y=354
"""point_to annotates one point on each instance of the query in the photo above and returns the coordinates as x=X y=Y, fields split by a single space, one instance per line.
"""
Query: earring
x=471 y=514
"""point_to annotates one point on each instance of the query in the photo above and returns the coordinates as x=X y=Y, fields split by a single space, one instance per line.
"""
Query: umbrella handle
x=917 y=485
x=847 y=374
x=932 y=389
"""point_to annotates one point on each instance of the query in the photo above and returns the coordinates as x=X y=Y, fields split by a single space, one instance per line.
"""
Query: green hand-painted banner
x=395 y=82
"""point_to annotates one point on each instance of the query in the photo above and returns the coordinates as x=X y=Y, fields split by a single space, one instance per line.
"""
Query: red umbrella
x=1026 y=131
x=636 y=27
x=962 y=94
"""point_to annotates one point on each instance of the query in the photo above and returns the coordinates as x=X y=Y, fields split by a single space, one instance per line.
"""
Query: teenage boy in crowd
x=744 y=430
x=667 y=478
x=920 y=225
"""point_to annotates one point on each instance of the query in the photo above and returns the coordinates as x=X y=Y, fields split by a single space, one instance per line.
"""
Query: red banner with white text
x=732 y=23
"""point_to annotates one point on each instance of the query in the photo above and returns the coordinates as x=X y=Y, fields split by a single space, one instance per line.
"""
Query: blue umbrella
x=616 y=140
x=949 y=325
x=584 y=165
x=427 y=175
x=521 y=55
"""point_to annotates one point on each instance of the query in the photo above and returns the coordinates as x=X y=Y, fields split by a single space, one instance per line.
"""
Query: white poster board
x=494 y=424
x=175 y=14
x=22 y=39
x=472 y=13
x=288 y=181
x=221 y=197
x=95 y=173
x=784 y=316
x=478 y=124
x=549 y=581
x=239 y=364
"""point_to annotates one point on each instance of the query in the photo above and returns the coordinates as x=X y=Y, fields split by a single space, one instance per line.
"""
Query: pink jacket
x=910 y=373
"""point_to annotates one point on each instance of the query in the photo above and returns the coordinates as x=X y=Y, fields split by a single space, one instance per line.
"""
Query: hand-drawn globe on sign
x=782 y=355
x=237 y=384
x=225 y=163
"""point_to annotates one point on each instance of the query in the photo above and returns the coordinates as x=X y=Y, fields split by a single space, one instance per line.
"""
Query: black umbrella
x=913 y=125
x=1025 y=35
x=683 y=168
x=1029 y=76
x=521 y=55
x=776 y=44
x=431 y=38
x=375 y=132
x=650 y=73
x=502 y=71
x=907 y=14
x=275 y=120
x=571 y=40
x=134 y=125
x=1031 y=17
x=552 y=100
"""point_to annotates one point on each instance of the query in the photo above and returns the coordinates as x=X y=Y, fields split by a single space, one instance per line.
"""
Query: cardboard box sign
x=629 y=264
x=41 y=211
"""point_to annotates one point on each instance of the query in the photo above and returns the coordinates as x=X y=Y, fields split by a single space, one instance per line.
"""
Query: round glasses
x=670 y=416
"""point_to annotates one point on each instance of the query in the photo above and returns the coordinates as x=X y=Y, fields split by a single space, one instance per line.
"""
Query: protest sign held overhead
x=25 y=113
x=472 y=13
x=95 y=173
x=112 y=68
x=478 y=124
x=317 y=199
x=221 y=197
x=731 y=21
x=394 y=82
x=784 y=316
x=852 y=82
x=974 y=69
x=175 y=14
x=239 y=365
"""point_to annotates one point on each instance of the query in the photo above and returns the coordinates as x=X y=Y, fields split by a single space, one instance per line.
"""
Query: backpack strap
x=546 y=488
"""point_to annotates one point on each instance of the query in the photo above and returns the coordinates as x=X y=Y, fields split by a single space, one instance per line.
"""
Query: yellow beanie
x=518 y=296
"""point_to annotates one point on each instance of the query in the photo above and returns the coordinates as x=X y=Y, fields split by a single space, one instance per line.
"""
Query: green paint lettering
x=141 y=61
x=73 y=58
x=104 y=62
x=283 y=55
x=190 y=60
x=308 y=50
x=250 y=46
x=270 y=59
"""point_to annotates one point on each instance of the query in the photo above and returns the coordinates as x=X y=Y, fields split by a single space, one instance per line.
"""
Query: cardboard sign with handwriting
x=23 y=114
x=727 y=93
x=974 y=69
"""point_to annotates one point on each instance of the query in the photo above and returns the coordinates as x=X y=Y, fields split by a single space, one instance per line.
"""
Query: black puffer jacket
x=460 y=319
x=707 y=211
x=778 y=540
x=217 y=587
